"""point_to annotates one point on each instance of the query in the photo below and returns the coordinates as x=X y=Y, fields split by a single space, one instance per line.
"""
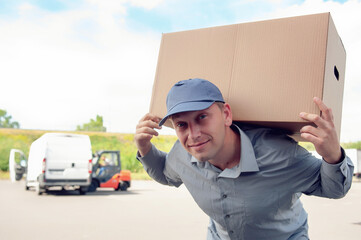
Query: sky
x=62 y=62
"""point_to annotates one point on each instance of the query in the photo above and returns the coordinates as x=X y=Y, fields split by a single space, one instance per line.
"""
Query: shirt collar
x=247 y=163
x=248 y=160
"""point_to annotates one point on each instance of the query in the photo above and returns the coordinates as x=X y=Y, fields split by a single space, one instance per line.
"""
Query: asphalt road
x=147 y=211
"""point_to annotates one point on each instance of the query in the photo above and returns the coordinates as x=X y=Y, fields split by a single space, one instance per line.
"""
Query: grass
x=4 y=175
x=142 y=175
x=22 y=139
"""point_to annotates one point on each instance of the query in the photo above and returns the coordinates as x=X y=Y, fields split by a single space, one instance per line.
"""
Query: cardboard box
x=269 y=71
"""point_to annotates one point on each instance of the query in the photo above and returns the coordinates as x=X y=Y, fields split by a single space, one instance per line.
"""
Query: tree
x=94 y=125
x=6 y=122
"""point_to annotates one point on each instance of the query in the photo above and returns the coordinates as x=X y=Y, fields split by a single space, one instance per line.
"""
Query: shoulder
x=266 y=141
x=265 y=134
x=274 y=146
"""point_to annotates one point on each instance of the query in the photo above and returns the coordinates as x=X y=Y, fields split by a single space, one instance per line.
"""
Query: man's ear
x=227 y=113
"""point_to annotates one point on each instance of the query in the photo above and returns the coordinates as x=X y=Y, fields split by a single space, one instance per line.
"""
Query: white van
x=59 y=159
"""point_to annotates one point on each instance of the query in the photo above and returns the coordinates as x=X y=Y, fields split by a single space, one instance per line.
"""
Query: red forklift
x=107 y=172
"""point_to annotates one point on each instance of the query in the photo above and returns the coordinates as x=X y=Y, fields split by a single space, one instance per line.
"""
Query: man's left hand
x=323 y=136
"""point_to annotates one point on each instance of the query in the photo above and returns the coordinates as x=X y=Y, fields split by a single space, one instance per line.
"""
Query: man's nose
x=194 y=131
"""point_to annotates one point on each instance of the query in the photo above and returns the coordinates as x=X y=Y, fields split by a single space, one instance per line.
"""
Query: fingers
x=150 y=117
x=323 y=134
x=310 y=138
x=145 y=131
x=147 y=125
x=316 y=119
x=311 y=134
x=323 y=127
x=322 y=121
x=326 y=112
x=323 y=124
x=149 y=120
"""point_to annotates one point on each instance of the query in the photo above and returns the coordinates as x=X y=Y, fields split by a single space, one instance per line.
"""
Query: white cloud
x=268 y=1
x=64 y=68
x=147 y=4
x=114 y=5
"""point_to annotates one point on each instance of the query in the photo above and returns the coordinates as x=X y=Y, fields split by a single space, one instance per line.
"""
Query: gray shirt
x=258 y=198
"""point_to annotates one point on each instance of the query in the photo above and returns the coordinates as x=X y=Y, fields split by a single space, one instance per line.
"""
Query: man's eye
x=181 y=125
x=202 y=116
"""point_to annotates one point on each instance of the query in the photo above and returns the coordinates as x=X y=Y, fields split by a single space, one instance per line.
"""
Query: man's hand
x=324 y=136
x=145 y=132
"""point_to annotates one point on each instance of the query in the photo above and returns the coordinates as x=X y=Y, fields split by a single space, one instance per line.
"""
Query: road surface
x=147 y=211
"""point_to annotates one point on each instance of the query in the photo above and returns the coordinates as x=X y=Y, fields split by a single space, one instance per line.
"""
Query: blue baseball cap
x=191 y=95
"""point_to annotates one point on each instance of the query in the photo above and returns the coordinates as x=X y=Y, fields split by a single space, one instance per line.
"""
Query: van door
x=109 y=165
x=67 y=158
x=17 y=164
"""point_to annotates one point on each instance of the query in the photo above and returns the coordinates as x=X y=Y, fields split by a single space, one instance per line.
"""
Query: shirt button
x=224 y=196
x=231 y=232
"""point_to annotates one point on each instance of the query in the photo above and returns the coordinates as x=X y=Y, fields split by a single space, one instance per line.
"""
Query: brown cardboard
x=269 y=71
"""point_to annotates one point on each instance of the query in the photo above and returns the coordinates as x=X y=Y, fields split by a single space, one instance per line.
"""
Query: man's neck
x=231 y=154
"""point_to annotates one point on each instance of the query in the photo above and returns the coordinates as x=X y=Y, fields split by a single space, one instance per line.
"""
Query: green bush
x=356 y=145
x=12 y=138
x=22 y=139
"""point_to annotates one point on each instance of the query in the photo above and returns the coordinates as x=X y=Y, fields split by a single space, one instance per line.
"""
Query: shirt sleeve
x=328 y=180
x=156 y=165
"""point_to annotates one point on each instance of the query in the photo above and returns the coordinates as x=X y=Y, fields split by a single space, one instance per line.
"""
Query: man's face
x=202 y=133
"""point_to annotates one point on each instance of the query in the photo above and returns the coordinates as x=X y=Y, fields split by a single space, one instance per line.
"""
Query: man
x=103 y=163
x=247 y=180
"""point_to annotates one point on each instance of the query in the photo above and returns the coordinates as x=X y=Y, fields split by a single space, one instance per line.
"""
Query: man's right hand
x=145 y=131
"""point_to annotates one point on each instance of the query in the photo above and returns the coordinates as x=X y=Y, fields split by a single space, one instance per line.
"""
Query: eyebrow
x=175 y=116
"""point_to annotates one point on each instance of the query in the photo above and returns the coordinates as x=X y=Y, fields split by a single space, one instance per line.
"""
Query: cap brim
x=187 y=107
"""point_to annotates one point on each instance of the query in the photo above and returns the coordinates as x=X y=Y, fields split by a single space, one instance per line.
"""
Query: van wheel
x=18 y=177
x=39 y=190
x=82 y=191
x=93 y=186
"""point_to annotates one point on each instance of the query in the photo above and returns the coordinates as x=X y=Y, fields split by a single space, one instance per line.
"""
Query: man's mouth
x=197 y=145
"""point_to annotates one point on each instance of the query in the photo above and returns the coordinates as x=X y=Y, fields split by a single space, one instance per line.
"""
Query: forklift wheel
x=123 y=186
